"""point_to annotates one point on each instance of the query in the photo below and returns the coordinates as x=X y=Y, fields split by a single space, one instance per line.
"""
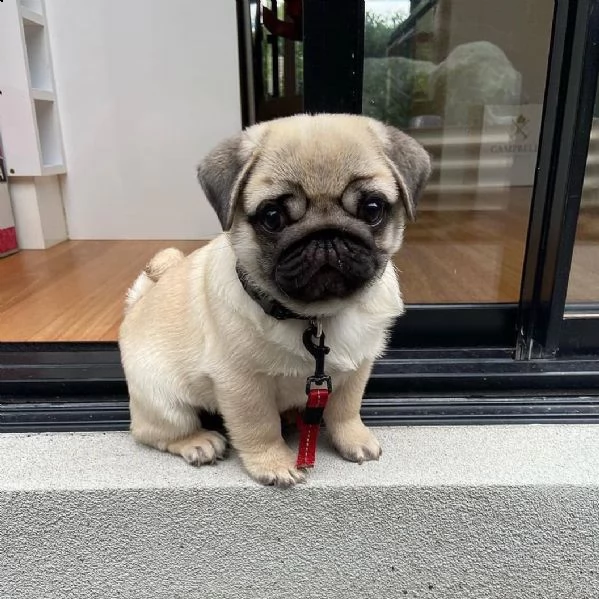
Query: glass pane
x=466 y=78
x=583 y=285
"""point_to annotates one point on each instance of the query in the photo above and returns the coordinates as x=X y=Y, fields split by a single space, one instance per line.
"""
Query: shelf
x=54 y=169
x=43 y=95
x=32 y=17
x=38 y=57
x=49 y=134
x=29 y=105
x=47 y=170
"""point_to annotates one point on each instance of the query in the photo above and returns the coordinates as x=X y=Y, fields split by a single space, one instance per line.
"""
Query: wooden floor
x=75 y=291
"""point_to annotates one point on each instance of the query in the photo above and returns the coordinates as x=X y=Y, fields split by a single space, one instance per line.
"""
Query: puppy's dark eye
x=372 y=210
x=272 y=218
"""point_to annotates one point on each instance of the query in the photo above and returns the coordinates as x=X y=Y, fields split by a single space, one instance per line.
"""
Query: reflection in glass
x=466 y=78
x=583 y=285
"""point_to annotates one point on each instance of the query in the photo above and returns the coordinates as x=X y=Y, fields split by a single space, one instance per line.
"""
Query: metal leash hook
x=318 y=325
x=318 y=351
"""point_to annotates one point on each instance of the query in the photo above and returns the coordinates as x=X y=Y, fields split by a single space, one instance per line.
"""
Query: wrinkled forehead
x=320 y=161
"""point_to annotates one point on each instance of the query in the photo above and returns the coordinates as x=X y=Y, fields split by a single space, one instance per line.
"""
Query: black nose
x=324 y=236
x=327 y=246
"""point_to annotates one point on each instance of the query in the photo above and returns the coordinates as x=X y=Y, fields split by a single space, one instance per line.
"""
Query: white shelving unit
x=29 y=119
x=28 y=110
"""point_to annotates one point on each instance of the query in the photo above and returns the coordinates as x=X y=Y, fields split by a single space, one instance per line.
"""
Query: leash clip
x=318 y=351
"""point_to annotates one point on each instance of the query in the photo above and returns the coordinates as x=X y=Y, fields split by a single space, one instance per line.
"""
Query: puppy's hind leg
x=175 y=428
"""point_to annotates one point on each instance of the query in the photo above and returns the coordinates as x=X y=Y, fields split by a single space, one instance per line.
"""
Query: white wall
x=145 y=89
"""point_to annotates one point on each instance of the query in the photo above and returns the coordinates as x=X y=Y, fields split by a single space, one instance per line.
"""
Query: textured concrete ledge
x=464 y=512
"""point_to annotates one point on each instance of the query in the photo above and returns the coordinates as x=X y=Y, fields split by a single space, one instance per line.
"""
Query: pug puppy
x=313 y=209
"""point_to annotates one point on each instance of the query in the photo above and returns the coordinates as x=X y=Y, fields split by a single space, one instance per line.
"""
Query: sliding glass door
x=500 y=271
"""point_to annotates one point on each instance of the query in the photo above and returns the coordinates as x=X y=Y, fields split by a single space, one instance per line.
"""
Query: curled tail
x=155 y=268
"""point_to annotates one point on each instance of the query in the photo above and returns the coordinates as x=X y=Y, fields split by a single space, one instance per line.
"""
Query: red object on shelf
x=8 y=232
x=8 y=241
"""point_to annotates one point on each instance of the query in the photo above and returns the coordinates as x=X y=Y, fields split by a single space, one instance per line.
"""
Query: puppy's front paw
x=275 y=467
x=355 y=442
x=203 y=447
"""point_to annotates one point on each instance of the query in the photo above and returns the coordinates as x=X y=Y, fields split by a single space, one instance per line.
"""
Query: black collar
x=269 y=304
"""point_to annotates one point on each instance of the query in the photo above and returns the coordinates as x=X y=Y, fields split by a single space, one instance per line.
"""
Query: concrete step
x=454 y=512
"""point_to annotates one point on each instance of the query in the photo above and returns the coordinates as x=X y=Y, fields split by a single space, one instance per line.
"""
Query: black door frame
x=446 y=364
x=544 y=329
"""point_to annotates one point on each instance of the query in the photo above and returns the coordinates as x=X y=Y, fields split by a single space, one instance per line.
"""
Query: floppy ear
x=410 y=163
x=223 y=173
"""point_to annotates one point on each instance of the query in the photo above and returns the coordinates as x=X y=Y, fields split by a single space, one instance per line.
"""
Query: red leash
x=309 y=426
x=318 y=389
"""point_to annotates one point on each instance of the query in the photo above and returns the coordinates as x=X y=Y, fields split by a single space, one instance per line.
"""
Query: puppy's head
x=315 y=205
